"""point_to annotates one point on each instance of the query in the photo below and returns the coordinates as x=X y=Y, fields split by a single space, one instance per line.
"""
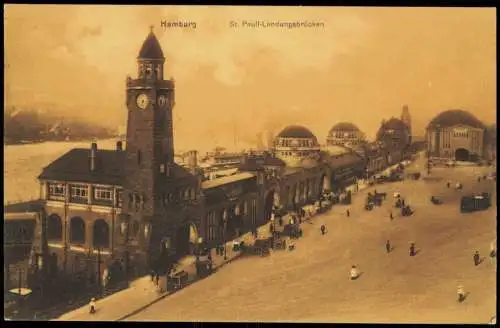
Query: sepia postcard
x=250 y=164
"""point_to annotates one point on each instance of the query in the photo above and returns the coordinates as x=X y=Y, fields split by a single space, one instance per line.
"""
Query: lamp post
x=224 y=218
x=124 y=230
x=200 y=242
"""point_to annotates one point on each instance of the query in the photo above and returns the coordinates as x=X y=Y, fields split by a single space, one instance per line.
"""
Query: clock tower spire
x=150 y=147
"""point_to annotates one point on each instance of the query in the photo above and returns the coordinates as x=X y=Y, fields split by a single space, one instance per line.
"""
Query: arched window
x=54 y=227
x=77 y=230
x=101 y=234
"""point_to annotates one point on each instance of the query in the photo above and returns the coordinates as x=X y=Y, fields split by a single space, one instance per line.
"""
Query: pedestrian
x=354 y=274
x=412 y=249
x=493 y=250
x=390 y=215
x=157 y=279
x=323 y=229
x=448 y=183
x=92 y=305
x=476 y=258
x=152 y=275
x=348 y=213
x=388 y=246
x=301 y=233
x=461 y=293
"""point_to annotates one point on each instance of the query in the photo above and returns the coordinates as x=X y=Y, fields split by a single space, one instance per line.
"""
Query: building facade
x=345 y=134
x=134 y=208
x=294 y=144
x=456 y=134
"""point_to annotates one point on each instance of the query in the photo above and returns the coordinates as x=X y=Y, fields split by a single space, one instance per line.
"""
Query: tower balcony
x=150 y=83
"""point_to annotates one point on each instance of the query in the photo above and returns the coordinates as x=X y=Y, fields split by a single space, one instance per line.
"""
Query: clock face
x=142 y=101
x=162 y=100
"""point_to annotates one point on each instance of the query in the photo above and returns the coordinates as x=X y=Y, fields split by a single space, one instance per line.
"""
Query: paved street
x=311 y=284
x=143 y=292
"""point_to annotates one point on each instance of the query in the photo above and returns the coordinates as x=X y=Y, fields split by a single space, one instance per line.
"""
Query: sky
x=361 y=66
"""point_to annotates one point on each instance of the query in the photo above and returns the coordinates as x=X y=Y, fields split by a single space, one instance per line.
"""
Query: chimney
x=244 y=159
x=93 y=154
x=193 y=159
x=168 y=170
x=119 y=146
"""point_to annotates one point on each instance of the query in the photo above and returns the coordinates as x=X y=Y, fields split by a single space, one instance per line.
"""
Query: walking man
x=388 y=246
x=477 y=258
x=323 y=229
x=390 y=215
x=354 y=274
x=493 y=250
x=348 y=213
x=461 y=294
x=448 y=183
x=92 y=305
x=412 y=249
x=157 y=279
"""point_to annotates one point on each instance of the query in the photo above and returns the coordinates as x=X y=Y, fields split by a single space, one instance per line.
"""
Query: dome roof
x=295 y=131
x=345 y=126
x=151 y=48
x=395 y=124
x=455 y=117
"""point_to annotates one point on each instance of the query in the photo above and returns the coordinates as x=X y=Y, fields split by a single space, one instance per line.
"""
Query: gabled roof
x=75 y=166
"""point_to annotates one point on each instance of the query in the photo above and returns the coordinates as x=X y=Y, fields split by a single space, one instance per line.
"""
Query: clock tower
x=149 y=142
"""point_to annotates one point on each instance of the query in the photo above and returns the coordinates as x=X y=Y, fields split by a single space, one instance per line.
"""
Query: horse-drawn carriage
x=291 y=230
x=399 y=203
x=475 y=203
x=260 y=247
x=413 y=175
x=278 y=243
x=204 y=264
x=375 y=199
x=406 y=210
x=177 y=280
x=436 y=201
x=346 y=199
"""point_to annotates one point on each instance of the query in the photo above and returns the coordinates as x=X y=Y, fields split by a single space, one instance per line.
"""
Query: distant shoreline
x=31 y=142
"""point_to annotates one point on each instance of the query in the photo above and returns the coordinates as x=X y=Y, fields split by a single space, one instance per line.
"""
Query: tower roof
x=454 y=117
x=295 y=131
x=151 y=48
x=345 y=126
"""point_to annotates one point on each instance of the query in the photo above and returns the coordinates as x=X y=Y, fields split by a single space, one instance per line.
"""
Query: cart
x=260 y=247
x=177 y=280
x=279 y=243
x=436 y=201
x=291 y=230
